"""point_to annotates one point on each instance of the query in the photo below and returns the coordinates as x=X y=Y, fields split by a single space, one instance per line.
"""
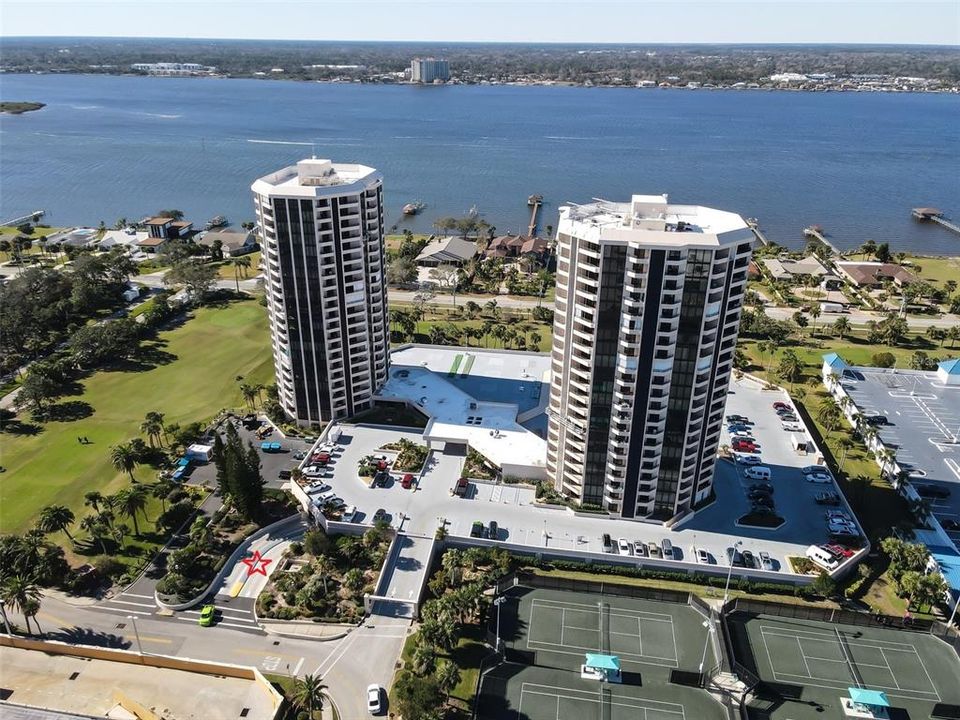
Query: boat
x=473 y=212
x=534 y=199
x=413 y=208
x=218 y=221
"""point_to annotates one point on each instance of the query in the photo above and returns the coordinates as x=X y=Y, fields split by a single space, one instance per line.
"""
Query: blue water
x=856 y=164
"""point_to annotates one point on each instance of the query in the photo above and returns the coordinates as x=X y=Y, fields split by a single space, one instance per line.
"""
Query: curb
x=303 y=636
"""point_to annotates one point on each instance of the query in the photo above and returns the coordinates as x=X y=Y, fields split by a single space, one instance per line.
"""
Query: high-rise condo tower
x=647 y=312
x=323 y=267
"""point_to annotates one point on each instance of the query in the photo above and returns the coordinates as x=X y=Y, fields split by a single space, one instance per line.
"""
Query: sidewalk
x=306 y=629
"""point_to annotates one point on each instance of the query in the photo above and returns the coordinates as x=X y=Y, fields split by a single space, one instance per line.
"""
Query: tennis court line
x=624 y=656
x=888 y=644
x=587 y=696
x=865 y=643
x=841 y=685
x=630 y=612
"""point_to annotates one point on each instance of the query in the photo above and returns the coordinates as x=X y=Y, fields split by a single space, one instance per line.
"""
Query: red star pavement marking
x=256 y=564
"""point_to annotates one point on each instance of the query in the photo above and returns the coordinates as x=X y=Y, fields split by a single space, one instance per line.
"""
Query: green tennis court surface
x=805 y=667
x=546 y=634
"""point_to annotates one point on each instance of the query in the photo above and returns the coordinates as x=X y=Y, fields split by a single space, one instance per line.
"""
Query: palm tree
x=152 y=427
x=448 y=677
x=55 y=518
x=239 y=262
x=97 y=529
x=93 y=499
x=124 y=459
x=23 y=594
x=841 y=326
x=119 y=532
x=308 y=693
x=424 y=657
x=846 y=444
x=451 y=562
x=322 y=566
x=133 y=500
x=160 y=489
x=249 y=393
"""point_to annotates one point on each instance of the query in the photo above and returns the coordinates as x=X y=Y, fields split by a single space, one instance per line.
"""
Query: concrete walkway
x=307 y=629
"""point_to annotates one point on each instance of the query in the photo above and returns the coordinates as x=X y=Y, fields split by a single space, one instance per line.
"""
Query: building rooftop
x=159 y=221
x=785 y=268
x=483 y=397
x=870 y=273
x=151 y=242
x=652 y=219
x=315 y=178
x=448 y=249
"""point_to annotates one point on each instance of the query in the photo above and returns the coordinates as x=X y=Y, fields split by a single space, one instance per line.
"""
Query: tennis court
x=805 y=665
x=546 y=634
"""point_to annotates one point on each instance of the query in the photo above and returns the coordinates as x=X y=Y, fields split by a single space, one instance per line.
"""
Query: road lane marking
x=237 y=587
x=120 y=610
x=145 y=597
x=124 y=602
x=148 y=638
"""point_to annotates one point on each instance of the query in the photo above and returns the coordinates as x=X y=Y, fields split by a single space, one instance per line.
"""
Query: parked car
x=494 y=530
x=743 y=434
x=381 y=515
x=748 y=559
x=703 y=557
x=623 y=546
x=407 y=482
x=737 y=419
x=284 y=474
x=734 y=557
x=314 y=471
x=762 y=500
x=766 y=562
x=738 y=427
x=317 y=487
x=792 y=427
x=607 y=543
x=476 y=530
x=781 y=406
x=349 y=513
x=640 y=549
x=373 y=699
x=757 y=472
x=820 y=478
x=839 y=550
x=763 y=487
x=748 y=459
x=876 y=420
x=789 y=420
x=757 y=509
x=461 y=487
x=743 y=446
x=932 y=491
x=809 y=469
x=654 y=549
x=841 y=514
x=827 y=498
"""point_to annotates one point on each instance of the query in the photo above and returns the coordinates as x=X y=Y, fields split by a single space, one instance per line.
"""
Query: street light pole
x=706 y=642
x=133 y=619
x=498 y=602
x=726 y=589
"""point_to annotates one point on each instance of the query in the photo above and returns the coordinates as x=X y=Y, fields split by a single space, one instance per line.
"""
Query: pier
x=816 y=232
x=754 y=225
x=934 y=215
x=535 y=202
x=32 y=217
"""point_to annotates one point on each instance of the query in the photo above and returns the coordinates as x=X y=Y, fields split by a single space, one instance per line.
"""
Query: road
x=345 y=668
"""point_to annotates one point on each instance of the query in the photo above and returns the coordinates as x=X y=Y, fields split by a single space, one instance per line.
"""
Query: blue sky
x=640 y=21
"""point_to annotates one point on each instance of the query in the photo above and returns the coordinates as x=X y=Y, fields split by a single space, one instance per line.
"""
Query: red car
x=407 y=481
x=744 y=446
x=839 y=550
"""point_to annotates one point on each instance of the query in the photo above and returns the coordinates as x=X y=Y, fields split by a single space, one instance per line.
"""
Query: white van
x=830 y=307
x=822 y=558
x=757 y=472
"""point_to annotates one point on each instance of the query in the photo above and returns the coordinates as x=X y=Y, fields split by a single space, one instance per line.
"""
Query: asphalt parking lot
x=923 y=417
x=715 y=528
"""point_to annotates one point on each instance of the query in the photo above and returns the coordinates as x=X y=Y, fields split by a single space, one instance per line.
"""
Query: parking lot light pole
x=726 y=589
x=498 y=602
x=133 y=619
x=706 y=642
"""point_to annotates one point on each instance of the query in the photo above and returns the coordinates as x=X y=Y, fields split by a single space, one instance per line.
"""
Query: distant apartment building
x=173 y=69
x=323 y=266
x=428 y=70
x=647 y=312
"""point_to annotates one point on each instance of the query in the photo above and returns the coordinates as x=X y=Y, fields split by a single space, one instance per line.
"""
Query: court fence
x=839 y=616
x=551 y=582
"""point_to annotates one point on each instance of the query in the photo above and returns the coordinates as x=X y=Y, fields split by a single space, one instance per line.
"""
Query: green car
x=207 y=615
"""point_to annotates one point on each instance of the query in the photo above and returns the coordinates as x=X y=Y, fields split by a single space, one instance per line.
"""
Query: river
x=855 y=163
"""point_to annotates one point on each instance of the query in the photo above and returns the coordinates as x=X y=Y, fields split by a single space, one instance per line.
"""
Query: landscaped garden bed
x=410 y=455
x=477 y=466
x=325 y=577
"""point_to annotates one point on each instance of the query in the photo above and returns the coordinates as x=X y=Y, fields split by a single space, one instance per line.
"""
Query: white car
x=703 y=557
x=792 y=427
x=839 y=515
x=758 y=472
x=624 y=547
x=314 y=471
x=745 y=459
x=349 y=513
x=843 y=529
x=317 y=487
x=740 y=433
x=373 y=699
x=766 y=563
x=810 y=469
x=819 y=478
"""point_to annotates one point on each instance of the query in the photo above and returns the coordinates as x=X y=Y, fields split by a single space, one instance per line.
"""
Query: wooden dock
x=816 y=232
x=934 y=215
x=754 y=225
x=32 y=217
x=535 y=202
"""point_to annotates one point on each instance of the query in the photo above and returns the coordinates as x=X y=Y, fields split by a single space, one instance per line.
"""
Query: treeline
x=562 y=62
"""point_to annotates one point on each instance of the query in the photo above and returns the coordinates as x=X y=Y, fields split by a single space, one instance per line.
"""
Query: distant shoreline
x=18 y=108
x=524 y=83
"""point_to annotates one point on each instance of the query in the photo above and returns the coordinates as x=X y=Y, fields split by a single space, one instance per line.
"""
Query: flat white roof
x=315 y=177
x=653 y=219
x=421 y=375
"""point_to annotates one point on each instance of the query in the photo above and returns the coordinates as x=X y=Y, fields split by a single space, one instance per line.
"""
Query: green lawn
x=936 y=270
x=38 y=232
x=194 y=378
x=226 y=269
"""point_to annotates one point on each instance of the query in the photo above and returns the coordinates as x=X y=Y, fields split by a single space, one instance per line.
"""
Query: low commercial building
x=875 y=274
x=793 y=270
x=446 y=251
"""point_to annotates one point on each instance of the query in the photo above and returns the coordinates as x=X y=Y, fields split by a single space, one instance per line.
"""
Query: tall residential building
x=426 y=70
x=323 y=268
x=647 y=312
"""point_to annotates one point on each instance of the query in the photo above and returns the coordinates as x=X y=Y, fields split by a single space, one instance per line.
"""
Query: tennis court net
x=847 y=655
